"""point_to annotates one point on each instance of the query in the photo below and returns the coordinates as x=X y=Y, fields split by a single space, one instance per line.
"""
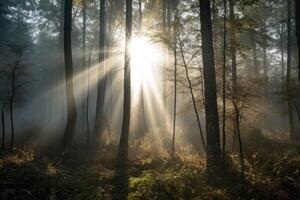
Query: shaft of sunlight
x=145 y=57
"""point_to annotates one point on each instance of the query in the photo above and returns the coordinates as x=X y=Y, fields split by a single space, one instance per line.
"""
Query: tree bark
x=123 y=145
x=211 y=109
x=71 y=106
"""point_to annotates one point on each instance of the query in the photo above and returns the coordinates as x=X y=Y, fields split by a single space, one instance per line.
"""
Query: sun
x=146 y=58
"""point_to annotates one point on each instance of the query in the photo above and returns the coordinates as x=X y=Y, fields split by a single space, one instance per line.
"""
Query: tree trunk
x=224 y=83
x=255 y=74
x=192 y=95
x=84 y=107
x=3 y=127
x=12 y=98
x=282 y=53
x=297 y=17
x=166 y=55
x=291 y=120
x=265 y=64
x=59 y=72
x=214 y=11
x=61 y=28
x=12 y=123
x=142 y=123
x=233 y=67
x=233 y=46
x=169 y=14
x=288 y=72
x=175 y=87
x=71 y=106
x=100 y=118
x=84 y=30
x=288 y=67
x=88 y=100
x=241 y=152
x=211 y=109
x=123 y=145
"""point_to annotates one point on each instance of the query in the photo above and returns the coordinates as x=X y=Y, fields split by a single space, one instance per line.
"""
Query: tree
x=71 y=107
x=164 y=90
x=13 y=81
x=224 y=83
x=211 y=109
x=123 y=145
x=175 y=78
x=100 y=118
x=142 y=123
x=84 y=108
x=288 y=71
x=233 y=63
x=288 y=68
x=190 y=86
x=3 y=125
x=281 y=31
x=87 y=99
x=297 y=15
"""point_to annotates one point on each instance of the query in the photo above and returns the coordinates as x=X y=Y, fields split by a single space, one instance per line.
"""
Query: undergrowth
x=30 y=175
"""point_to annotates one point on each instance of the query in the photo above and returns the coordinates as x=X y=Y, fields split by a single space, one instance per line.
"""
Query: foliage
x=22 y=172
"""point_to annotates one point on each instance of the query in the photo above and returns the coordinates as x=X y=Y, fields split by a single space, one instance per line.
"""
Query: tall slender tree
x=142 y=119
x=288 y=68
x=288 y=72
x=224 y=82
x=297 y=16
x=84 y=108
x=71 y=107
x=255 y=73
x=123 y=145
x=12 y=98
x=88 y=99
x=164 y=68
x=233 y=64
x=281 y=31
x=3 y=125
x=100 y=118
x=265 y=59
x=211 y=109
x=190 y=85
x=176 y=21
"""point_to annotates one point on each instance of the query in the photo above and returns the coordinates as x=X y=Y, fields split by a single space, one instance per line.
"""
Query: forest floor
x=75 y=174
